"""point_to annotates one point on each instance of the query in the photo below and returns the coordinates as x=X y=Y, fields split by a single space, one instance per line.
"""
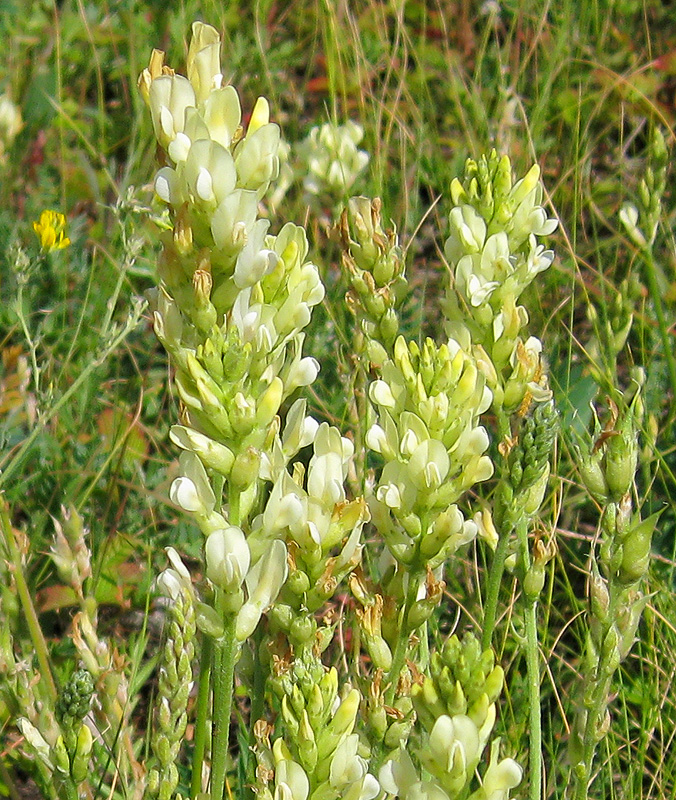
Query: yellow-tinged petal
x=50 y=230
x=259 y=116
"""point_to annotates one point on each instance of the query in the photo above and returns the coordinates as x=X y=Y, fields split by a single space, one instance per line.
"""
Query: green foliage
x=85 y=401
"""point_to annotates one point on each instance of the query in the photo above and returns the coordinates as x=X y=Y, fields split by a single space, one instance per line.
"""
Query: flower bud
x=534 y=582
x=209 y=621
x=227 y=558
x=169 y=96
x=204 y=60
x=80 y=759
x=264 y=583
x=636 y=550
x=620 y=462
x=213 y=454
x=245 y=469
x=593 y=476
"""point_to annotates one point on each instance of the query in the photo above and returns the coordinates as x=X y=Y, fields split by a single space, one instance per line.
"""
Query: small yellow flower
x=50 y=230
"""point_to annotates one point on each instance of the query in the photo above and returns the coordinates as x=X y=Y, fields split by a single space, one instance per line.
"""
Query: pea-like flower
x=51 y=231
x=227 y=558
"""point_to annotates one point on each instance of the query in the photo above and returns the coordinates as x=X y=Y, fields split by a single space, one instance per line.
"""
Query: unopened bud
x=636 y=550
x=245 y=468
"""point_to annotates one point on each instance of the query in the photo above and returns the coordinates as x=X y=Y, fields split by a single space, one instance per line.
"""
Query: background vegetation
x=84 y=402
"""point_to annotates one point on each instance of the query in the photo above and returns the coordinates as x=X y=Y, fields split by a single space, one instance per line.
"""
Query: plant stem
x=201 y=731
x=535 y=711
x=68 y=788
x=532 y=667
x=595 y=701
x=505 y=524
x=39 y=644
x=599 y=700
x=399 y=656
x=495 y=574
x=222 y=679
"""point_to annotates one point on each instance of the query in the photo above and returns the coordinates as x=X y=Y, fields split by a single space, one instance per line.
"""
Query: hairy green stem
x=222 y=677
x=532 y=668
x=600 y=678
x=599 y=700
x=505 y=524
x=401 y=649
x=535 y=711
x=202 y=714
x=497 y=570
x=223 y=674
x=257 y=709
x=67 y=786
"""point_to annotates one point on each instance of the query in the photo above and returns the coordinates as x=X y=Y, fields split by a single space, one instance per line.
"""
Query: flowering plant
x=316 y=619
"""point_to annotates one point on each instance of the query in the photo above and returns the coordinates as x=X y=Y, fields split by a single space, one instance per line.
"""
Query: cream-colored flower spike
x=428 y=403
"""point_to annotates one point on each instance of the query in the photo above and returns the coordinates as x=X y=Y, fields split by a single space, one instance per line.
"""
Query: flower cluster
x=428 y=401
x=309 y=509
x=231 y=311
x=330 y=159
x=493 y=253
x=321 y=755
x=456 y=705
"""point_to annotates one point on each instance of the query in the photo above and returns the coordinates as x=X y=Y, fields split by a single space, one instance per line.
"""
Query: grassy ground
x=85 y=403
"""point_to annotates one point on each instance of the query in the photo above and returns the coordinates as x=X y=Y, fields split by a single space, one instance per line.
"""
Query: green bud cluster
x=608 y=466
x=373 y=264
x=463 y=680
x=72 y=750
x=74 y=700
x=318 y=757
x=308 y=693
x=528 y=459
